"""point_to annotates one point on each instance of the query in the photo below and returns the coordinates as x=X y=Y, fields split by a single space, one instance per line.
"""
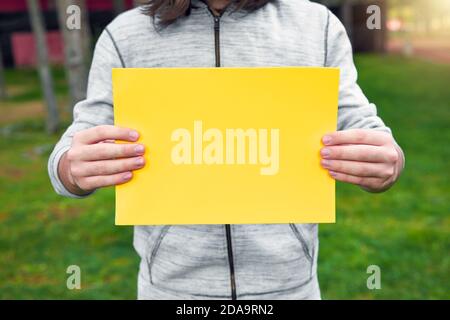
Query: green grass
x=404 y=231
x=25 y=84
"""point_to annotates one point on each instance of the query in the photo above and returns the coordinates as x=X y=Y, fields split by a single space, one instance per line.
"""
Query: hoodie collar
x=230 y=10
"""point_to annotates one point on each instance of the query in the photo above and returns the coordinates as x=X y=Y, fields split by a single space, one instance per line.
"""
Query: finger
x=357 y=136
x=106 y=151
x=370 y=183
x=95 y=182
x=364 y=153
x=360 y=169
x=107 y=167
x=104 y=132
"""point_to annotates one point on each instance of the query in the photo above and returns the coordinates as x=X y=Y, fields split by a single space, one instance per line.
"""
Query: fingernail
x=332 y=173
x=139 y=149
x=326 y=163
x=140 y=161
x=134 y=135
x=326 y=139
x=325 y=152
x=127 y=176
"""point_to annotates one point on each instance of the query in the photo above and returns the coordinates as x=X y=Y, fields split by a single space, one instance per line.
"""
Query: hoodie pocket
x=306 y=245
x=153 y=247
x=273 y=258
x=306 y=235
x=189 y=259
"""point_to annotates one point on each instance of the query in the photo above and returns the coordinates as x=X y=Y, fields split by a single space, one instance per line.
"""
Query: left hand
x=365 y=157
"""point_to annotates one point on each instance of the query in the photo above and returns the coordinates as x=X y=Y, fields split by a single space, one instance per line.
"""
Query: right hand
x=94 y=160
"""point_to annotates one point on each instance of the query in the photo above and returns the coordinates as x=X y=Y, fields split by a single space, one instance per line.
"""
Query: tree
x=74 y=26
x=347 y=17
x=119 y=6
x=2 y=77
x=45 y=75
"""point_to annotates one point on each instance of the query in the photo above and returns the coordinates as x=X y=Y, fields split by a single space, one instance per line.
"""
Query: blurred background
x=404 y=68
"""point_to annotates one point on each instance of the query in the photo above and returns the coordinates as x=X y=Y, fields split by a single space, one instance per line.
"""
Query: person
x=270 y=261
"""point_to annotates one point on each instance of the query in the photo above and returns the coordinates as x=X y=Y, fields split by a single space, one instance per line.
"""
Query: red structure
x=24 y=48
x=93 y=5
x=16 y=38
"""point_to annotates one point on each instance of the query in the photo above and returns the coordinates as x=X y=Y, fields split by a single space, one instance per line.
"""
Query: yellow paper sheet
x=248 y=111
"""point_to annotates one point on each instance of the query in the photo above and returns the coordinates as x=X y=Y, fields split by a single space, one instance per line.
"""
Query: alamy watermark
x=232 y=146
x=374 y=280
x=374 y=20
x=73 y=21
x=73 y=281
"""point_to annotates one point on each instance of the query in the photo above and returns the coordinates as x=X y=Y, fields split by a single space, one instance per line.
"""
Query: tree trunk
x=347 y=17
x=37 y=25
x=119 y=6
x=77 y=45
x=2 y=77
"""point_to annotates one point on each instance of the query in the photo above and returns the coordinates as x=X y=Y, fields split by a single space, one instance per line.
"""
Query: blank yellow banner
x=227 y=145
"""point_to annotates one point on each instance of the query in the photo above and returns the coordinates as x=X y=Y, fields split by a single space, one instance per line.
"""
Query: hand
x=365 y=157
x=95 y=161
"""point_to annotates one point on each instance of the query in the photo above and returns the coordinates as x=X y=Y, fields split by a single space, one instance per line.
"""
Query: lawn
x=404 y=231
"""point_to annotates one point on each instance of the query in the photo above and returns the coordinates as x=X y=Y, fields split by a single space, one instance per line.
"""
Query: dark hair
x=168 y=11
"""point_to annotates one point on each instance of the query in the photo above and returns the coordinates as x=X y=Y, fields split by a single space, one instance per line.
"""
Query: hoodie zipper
x=231 y=262
x=227 y=226
x=217 y=39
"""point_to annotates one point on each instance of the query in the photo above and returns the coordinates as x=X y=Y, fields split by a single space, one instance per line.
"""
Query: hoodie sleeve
x=355 y=111
x=96 y=109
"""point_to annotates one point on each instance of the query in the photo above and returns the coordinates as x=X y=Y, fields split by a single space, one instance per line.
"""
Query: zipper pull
x=216 y=21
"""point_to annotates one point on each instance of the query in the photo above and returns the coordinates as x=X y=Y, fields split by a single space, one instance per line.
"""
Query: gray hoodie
x=272 y=261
